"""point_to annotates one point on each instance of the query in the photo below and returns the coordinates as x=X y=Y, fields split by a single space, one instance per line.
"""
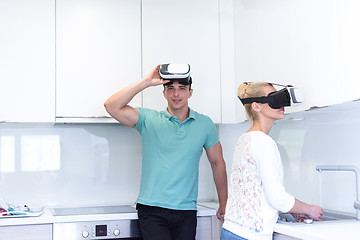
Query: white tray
x=24 y=214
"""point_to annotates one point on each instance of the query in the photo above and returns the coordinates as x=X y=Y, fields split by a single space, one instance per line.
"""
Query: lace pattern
x=244 y=202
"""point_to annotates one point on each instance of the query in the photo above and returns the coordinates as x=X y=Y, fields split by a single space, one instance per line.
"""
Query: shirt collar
x=192 y=114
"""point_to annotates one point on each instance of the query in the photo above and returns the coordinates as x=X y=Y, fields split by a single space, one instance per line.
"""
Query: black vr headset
x=175 y=72
x=288 y=96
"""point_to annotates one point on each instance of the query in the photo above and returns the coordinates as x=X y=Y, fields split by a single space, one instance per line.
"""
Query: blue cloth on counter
x=171 y=153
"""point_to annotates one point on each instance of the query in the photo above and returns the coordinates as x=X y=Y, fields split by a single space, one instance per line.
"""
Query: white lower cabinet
x=278 y=236
x=203 y=230
x=208 y=228
x=26 y=232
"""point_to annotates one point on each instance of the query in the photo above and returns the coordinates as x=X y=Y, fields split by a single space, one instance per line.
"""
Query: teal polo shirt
x=171 y=153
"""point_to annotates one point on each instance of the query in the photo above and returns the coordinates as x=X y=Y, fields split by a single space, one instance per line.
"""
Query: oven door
x=114 y=229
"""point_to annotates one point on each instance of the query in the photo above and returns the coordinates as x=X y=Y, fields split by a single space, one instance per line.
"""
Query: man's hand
x=117 y=105
x=221 y=212
x=153 y=78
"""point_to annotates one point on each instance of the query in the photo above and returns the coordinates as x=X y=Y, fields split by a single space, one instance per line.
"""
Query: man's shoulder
x=146 y=115
x=200 y=116
x=147 y=112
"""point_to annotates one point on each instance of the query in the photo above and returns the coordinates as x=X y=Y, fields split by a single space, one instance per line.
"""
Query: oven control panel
x=96 y=230
x=100 y=231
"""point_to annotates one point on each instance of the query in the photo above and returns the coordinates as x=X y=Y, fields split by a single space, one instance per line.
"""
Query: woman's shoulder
x=259 y=138
x=258 y=135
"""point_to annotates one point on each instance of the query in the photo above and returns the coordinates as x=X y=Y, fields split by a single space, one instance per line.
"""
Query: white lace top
x=256 y=191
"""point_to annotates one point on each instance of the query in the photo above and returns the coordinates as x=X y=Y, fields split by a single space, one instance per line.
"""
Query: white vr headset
x=173 y=71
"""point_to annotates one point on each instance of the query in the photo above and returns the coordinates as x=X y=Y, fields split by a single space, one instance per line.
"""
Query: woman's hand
x=315 y=212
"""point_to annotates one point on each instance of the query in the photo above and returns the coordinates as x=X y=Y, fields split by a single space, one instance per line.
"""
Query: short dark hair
x=186 y=81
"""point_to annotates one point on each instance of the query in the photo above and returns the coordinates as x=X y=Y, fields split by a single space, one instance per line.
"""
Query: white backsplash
x=324 y=136
x=75 y=165
x=100 y=164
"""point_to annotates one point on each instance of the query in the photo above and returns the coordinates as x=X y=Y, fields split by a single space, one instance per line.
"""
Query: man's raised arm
x=117 y=105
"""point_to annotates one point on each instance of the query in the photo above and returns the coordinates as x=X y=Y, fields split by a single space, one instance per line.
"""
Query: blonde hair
x=248 y=90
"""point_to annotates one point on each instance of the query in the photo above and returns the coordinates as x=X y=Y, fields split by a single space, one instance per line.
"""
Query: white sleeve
x=271 y=174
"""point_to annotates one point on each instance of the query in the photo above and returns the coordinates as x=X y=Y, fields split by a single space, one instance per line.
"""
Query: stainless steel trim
x=86 y=230
x=93 y=210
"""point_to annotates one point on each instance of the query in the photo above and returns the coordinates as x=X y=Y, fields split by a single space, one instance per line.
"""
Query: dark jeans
x=158 y=223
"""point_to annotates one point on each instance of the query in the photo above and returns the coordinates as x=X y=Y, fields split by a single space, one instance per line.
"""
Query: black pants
x=166 y=224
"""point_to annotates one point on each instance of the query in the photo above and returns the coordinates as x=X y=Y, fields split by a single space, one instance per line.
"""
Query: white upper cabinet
x=27 y=61
x=313 y=45
x=98 y=52
x=184 y=31
x=227 y=62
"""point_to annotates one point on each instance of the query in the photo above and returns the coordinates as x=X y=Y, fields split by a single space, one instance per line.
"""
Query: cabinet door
x=203 y=228
x=312 y=45
x=278 y=236
x=184 y=31
x=98 y=52
x=27 y=60
x=27 y=232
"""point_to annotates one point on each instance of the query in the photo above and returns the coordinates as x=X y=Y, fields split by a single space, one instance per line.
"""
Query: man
x=172 y=143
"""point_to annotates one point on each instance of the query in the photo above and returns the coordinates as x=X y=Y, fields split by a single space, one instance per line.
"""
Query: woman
x=256 y=191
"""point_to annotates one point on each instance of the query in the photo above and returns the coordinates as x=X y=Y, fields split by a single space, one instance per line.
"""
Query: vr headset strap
x=254 y=99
